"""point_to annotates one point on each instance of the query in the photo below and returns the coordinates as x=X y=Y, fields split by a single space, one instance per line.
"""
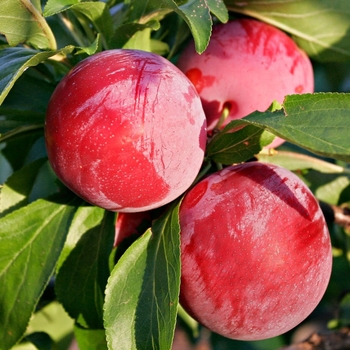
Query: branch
x=339 y=215
x=339 y=340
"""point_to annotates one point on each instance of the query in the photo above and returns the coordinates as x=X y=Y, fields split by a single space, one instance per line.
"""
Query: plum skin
x=247 y=65
x=255 y=251
x=122 y=127
x=128 y=224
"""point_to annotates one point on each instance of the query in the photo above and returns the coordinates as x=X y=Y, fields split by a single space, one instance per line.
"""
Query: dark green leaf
x=6 y=170
x=317 y=122
x=33 y=95
x=41 y=340
x=31 y=240
x=237 y=144
x=22 y=22
x=85 y=218
x=82 y=277
x=45 y=184
x=90 y=339
x=15 y=60
x=32 y=150
x=142 y=292
x=320 y=27
x=98 y=14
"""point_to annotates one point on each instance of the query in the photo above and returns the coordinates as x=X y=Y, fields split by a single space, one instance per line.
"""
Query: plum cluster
x=126 y=130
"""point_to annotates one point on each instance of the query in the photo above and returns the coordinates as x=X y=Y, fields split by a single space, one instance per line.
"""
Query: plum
x=122 y=128
x=255 y=251
x=247 y=65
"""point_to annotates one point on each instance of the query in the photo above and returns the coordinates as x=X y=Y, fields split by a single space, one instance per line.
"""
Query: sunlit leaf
x=97 y=12
x=22 y=22
x=328 y=192
x=53 y=320
x=320 y=27
x=128 y=31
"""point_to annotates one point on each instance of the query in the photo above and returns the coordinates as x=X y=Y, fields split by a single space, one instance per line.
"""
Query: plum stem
x=203 y=172
x=224 y=114
x=339 y=340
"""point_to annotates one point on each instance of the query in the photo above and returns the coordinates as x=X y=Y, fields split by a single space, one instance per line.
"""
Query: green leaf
x=31 y=240
x=15 y=192
x=53 y=320
x=317 y=122
x=218 y=9
x=15 y=60
x=329 y=188
x=237 y=143
x=22 y=22
x=91 y=49
x=320 y=27
x=141 y=40
x=82 y=277
x=85 y=218
x=196 y=14
x=53 y=7
x=90 y=339
x=142 y=292
x=97 y=12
